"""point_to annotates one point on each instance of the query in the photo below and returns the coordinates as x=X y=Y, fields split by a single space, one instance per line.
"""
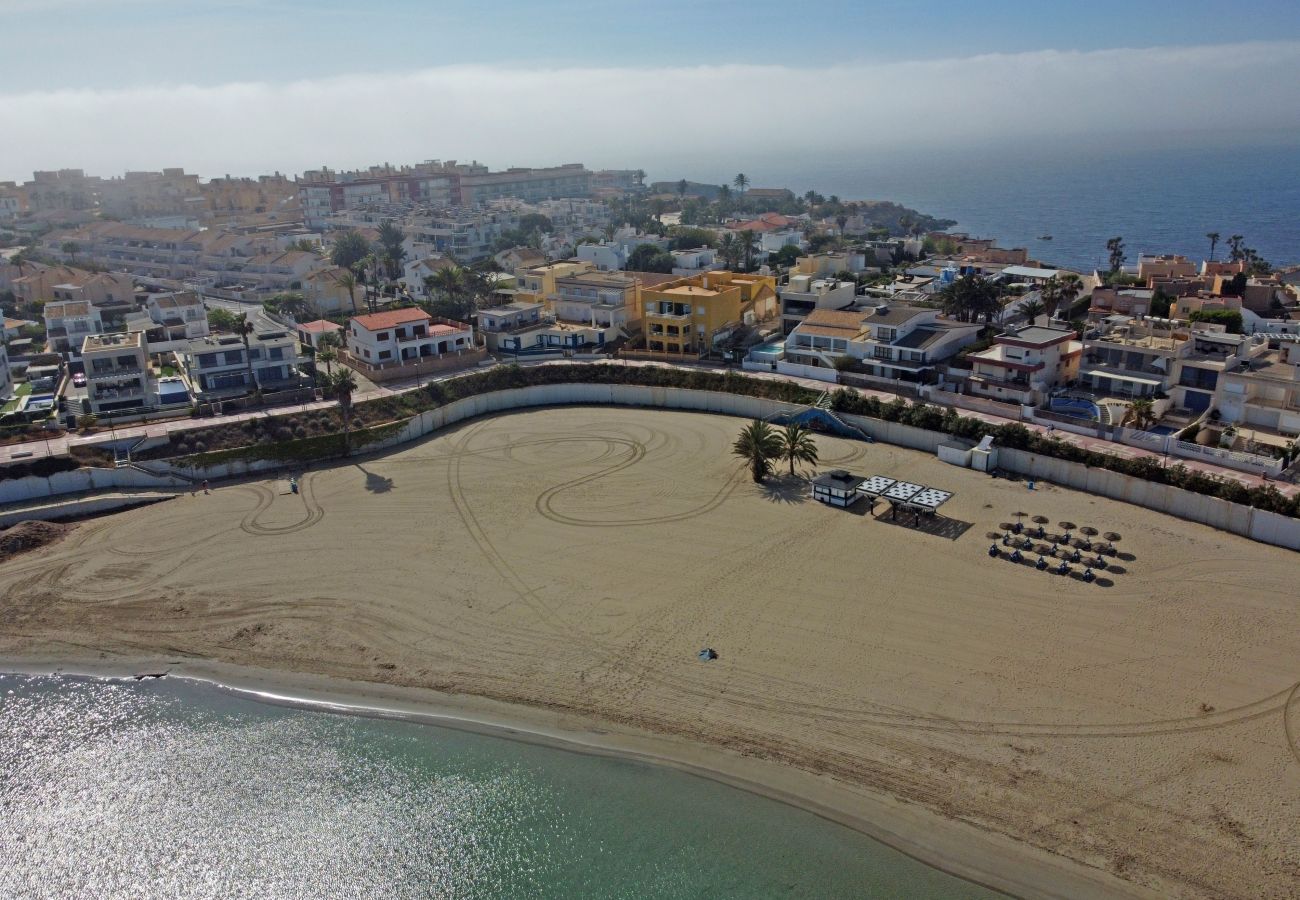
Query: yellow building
x=687 y=316
x=536 y=284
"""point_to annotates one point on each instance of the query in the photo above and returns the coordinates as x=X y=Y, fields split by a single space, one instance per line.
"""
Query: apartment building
x=61 y=283
x=218 y=366
x=141 y=194
x=64 y=190
x=536 y=284
x=1262 y=392
x=1024 y=365
x=830 y=263
x=117 y=371
x=1111 y=301
x=68 y=323
x=1164 y=266
x=607 y=301
x=690 y=315
x=399 y=337
x=889 y=341
x=229 y=196
x=569 y=180
x=805 y=293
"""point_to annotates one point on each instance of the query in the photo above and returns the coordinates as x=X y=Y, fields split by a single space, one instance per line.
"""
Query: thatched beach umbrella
x=1111 y=536
x=994 y=535
x=1089 y=530
x=1020 y=514
x=1068 y=526
x=1040 y=520
x=1005 y=526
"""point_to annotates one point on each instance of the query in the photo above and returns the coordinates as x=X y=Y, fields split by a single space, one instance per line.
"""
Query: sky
x=250 y=86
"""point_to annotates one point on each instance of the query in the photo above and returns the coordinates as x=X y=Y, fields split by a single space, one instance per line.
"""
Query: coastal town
x=157 y=297
x=986 y=557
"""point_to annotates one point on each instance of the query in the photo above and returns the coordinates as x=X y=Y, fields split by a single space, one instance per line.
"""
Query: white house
x=217 y=365
x=117 y=371
x=894 y=342
x=1024 y=364
x=695 y=261
x=605 y=256
x=181 y=314
x=402 y=336
x=68 y=323
x=805 y=293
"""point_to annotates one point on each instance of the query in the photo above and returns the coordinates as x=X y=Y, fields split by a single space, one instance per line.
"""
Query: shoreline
x=955 y=847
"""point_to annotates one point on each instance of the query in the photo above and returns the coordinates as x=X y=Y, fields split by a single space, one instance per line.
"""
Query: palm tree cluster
x=463 y=289
x=970 y=298
x=759 y=444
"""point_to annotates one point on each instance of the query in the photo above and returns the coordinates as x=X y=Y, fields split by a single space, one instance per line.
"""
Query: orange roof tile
x=391 y=318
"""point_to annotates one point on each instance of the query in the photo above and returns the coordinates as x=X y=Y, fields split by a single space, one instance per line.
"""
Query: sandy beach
x=556 y=571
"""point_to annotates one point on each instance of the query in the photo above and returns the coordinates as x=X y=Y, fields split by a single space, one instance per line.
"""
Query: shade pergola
x=876 y=485
x=902 y=491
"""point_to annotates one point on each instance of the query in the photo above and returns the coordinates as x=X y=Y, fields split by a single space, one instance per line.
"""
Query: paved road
x=59 y=445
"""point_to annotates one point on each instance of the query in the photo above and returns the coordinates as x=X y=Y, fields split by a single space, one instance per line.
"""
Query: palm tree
x=1070 y=289
x=244 y=328
x=1115 y=247
x=1214 y=242
x=1234 y=243
x=1139 y=414
x=658 y=207
x=1050 y=293
x=758 y=444
x=71 y=248
x=729 y=250
x=348 y=282
x=741 y=182
x=1032 y=309
x=797 y=445
x=342 y=383
x=328 y=356
x=682 y=187
x=450 y=282
x=748 y=243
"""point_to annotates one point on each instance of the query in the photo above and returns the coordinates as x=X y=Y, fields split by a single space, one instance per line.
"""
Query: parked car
x=79 y=379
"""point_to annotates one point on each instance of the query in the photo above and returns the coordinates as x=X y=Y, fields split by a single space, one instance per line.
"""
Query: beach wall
x=34 y=487
x=1259 y=525
x=77 y=508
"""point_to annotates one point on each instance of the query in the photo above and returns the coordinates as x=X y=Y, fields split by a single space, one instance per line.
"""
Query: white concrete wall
x=21 y=490
x=1268 y=528
x=72 y=509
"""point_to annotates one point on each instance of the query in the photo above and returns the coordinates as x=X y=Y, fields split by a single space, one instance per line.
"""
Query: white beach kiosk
x=837 y=488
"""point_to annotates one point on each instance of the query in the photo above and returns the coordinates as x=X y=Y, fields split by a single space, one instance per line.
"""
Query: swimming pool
x=1077 y=407
x=772 y=351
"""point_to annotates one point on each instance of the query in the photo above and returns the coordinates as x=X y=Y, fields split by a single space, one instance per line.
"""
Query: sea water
x=1160 y=199
x=178 y=789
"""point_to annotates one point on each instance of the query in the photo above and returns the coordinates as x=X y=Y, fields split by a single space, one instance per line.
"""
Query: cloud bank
x=636 y=116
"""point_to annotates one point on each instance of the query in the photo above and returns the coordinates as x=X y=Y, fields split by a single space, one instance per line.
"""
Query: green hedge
x=1017 y=437
x=325 y=446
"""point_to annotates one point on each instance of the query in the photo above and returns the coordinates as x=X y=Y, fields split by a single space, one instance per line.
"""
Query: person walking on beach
x=205 y=487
